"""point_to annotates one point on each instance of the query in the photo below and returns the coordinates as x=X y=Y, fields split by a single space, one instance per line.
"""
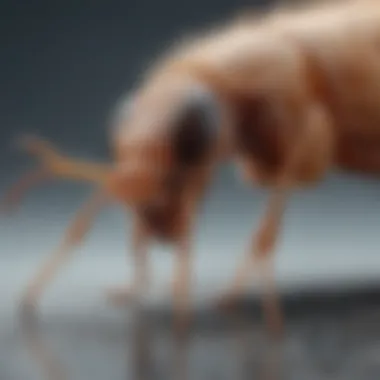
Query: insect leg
x=182 y=266
x=181 y=286
x=259 y=259
x=313 y=137
x=141 y=275
x=73 y=237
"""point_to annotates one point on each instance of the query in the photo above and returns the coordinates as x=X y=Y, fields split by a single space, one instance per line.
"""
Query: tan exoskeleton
x=287 y=97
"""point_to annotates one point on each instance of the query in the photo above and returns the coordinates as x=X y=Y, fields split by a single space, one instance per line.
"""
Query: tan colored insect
x=287 y=97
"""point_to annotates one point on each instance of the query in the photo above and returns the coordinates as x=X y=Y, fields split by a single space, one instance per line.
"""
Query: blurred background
x=63 y=66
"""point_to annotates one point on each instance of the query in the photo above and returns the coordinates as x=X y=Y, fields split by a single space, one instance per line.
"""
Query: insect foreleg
x=73 y=237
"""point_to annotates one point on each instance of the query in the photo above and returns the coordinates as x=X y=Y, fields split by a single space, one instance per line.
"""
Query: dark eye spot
x=192 y=140
x=195 y=132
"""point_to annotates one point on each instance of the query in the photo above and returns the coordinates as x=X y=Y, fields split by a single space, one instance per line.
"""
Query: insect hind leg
x=259 y=261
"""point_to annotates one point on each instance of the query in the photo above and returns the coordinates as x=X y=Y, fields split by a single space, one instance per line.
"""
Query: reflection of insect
x=288 y=97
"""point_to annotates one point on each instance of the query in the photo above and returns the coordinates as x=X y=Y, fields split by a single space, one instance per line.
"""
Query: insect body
x=287 y=97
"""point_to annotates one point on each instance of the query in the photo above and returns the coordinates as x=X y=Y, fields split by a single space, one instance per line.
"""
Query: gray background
x=63 y=66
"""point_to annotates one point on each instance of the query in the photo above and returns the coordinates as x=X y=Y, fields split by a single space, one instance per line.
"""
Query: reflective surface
x=79 y=336
x=138 y=343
